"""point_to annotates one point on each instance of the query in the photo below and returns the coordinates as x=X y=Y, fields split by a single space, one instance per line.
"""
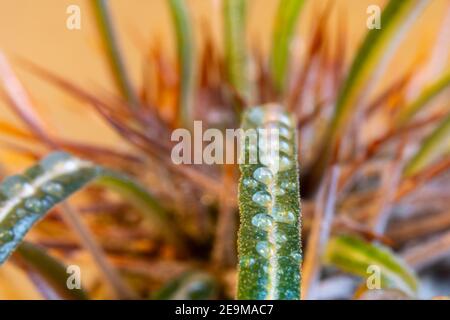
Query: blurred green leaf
x=191 y=285
x=186 y=59
x=51 y=271
x=234 y=12
x=433 y=145
x=285 y=23
x=355 y=256
x=26 y=198
x=106 y=25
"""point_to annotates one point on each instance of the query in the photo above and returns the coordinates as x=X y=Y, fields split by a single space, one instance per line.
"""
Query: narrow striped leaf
x=26 y=198
x=49 y=269
x=285 y=23
x=106 y=26
x=435 y=144
x=269 y=242
x=191 y=285
x=423 y=99
x=235 y=47
x=355 y=256
x=186 y=59
x=376 y=49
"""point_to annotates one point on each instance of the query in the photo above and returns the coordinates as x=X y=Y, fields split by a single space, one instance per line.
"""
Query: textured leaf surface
x=186 y=59
x=235 y=47
x=26 y=198
x=269 y=204
x=354 y=255
x=285 y=23
x=49 y=269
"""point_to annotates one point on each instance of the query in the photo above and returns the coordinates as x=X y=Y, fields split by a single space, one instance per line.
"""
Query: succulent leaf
x=26 y=198
x=269 y=204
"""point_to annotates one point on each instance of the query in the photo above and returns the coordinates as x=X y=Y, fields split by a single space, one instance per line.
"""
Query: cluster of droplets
x=275 y=220
x=276 y=123
x=35 y=198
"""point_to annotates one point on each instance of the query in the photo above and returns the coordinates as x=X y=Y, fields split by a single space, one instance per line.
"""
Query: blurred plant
x=388 y=190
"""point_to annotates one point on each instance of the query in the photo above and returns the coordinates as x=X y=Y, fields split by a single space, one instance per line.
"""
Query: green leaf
x=423 y=99
x=115 y=56
x=52 y=271
x=375 y=49
x=186 y=59
x=235 y=46
x=355 y=256
x=26 y=198
x=285 y=23
x=432 y=146
x=269 y=242
x=191 y=285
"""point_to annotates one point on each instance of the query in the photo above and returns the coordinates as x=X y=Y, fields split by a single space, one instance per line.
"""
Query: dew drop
x=285 y=132
x=247 y=262
x=262 y=221
x=284 y=216
x=279 y=191
x=33 y=204
x=296 y=256
x=15 y=185
x=291 y=295
x=285 y=147
x=250 y=183
x=280 y=238
x=47 y=202
x=285 y=163
x=263 y=175
x=6 y=236
x=21 y=212
x=262 y=198
x=288 y=185
x=54 y=159
x=256 y=115
x=264 y=249
x=53 y=188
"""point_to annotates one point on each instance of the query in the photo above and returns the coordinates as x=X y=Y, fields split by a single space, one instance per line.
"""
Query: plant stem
x=71 y=217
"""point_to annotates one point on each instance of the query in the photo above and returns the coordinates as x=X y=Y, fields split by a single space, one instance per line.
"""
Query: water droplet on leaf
x=262 y=221
x=264 y=249
x=53 y=188
x=263 y=175
x=262 y=198
x=33 y=204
